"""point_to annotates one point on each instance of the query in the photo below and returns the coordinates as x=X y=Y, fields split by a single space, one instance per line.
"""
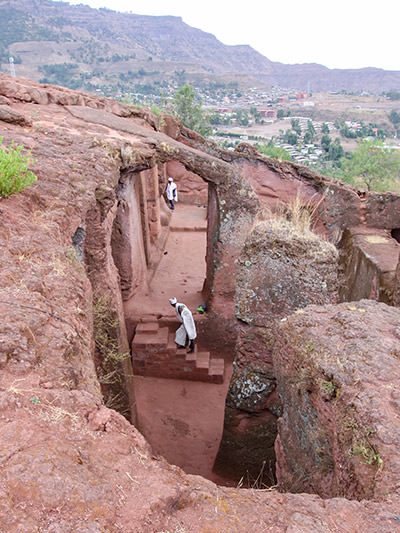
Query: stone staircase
x=155 y=354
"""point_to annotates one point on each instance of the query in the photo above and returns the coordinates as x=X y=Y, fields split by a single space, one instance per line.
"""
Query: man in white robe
x=172 y=193
x=186 y=333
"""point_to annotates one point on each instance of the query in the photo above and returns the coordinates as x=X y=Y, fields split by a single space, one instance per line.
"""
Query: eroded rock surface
x=68 y=462
x=281 y=268
x=336 y=368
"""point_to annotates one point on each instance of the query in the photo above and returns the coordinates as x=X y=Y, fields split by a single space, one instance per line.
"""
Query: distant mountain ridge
x=99 y=47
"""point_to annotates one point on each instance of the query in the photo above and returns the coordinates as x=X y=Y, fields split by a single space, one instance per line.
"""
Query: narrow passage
x=183 y=420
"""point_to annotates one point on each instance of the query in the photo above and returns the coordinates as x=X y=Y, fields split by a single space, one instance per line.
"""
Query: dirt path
x=182 y=269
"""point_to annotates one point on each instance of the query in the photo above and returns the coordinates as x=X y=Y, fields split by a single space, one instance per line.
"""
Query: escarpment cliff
x=313 y=393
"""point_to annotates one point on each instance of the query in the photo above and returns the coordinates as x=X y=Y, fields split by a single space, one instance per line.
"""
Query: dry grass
x=258 y=483
x=54 y=414
x=41 y=407
x=299 y=216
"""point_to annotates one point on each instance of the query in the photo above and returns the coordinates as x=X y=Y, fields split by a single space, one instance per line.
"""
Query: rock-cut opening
x=183 y=408
x=395 y=233
x=161 y=253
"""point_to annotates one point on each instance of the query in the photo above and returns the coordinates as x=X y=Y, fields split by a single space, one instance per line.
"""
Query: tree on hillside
x=345 y=131
x=310 y=127
x=335 y=151
x=291 y=137
x=325 y=142
x=309 y=133
x=187 y=107
x=308 y=137
x=216 y=118
x=256 y=114
x=276 y=152
x=242 y=117
x=296 y=125
x=325 y=128
x=394 y=117
x=372 y=166
x=283 y=113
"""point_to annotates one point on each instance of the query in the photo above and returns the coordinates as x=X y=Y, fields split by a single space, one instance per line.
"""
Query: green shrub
x=14 y=173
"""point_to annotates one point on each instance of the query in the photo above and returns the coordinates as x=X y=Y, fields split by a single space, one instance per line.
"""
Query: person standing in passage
x=186 y=333
x=172 y=193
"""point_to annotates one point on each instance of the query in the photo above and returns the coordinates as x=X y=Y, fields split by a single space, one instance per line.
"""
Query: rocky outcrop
x=335 y=367
x=66 y=457
x=281 y=268
x=8 y=115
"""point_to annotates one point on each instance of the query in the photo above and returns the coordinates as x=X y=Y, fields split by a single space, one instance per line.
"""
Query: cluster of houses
x=267 y=104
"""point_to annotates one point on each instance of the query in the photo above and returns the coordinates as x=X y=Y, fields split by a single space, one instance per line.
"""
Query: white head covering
x=172 y=301
x=170 y=179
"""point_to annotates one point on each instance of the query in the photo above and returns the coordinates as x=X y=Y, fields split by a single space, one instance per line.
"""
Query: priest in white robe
x=186 y=333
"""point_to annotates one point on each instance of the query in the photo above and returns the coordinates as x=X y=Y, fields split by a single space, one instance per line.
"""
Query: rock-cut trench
x=192 y=409
x=182 y=419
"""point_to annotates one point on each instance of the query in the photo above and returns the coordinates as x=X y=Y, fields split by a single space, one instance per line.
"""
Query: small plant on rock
x=14 y=173
x=361 y=446
x=328 y=388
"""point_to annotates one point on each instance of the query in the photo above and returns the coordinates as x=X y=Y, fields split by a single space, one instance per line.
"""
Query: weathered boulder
x=9 y=115
x=283 y=267
x=336 y=366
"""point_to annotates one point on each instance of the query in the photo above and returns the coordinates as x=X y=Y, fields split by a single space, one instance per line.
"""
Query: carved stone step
x=147 y=327
x=216 y=367
x=172 y=348
x=192 y=356
x=203 y=360
x=151 y=340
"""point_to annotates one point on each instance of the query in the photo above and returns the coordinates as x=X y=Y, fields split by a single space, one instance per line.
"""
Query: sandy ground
x=182 y=420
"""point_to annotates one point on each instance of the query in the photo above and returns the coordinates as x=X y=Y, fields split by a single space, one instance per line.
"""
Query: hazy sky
x=336 y=33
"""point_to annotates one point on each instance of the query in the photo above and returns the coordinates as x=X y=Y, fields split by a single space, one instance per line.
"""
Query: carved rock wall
x=74 y=463
x=280 y=269
x=128 y=248
x=335 y=366
x=369 y=258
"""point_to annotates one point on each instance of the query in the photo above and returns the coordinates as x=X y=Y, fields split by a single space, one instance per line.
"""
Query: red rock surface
x=370 y=258
x=68 y=462
x=336 y=367
x=280 y=269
